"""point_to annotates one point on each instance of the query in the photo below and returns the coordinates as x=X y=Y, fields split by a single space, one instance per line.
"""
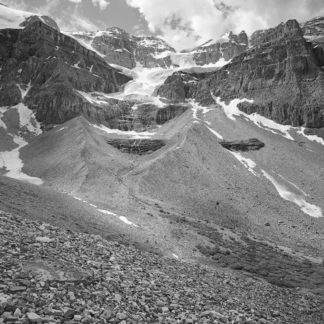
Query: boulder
x=136 y=146
x=251 y=144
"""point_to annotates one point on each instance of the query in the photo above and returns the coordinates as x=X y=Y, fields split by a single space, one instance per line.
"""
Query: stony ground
x=52 y=275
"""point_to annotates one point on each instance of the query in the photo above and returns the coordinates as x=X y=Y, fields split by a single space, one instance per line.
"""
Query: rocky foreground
x=52 y=275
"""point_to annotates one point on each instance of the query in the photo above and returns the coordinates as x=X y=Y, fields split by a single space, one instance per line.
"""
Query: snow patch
x=76 y=65
x=313 y=138
x=231 y=110
x=91 y=97
x=108 y=212
x=24 y=91
x=196 y=107
x=27 y=119
x=131 y=134
x=60 y=129
x=219 y=136
x=248 y=163
x=162 y=55
x=126 y=221
x=122 y=218
x=2 y=123
x=299 y=200
x=294 y=185
x=11 y=161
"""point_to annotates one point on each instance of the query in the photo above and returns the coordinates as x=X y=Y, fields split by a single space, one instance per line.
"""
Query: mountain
x=45 y=69
x=119 y=47
x=229 y=46
x=212 y=163
x=281 y=73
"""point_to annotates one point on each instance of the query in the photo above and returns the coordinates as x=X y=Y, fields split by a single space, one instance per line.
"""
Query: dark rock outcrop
x=44 y=19
x=252 y=144
x=52 y=66
x=177 y=86
x=121 y=114
x=137 y=146
x=314 y=33
x=119 y=47
x=280 y=73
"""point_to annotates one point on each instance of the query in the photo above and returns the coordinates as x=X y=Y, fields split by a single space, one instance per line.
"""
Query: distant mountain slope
x=119 y=47
x=44 y=69
x=224 y=49
x=281 y=73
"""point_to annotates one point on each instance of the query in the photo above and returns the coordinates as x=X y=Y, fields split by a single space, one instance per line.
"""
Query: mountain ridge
x=204 y=158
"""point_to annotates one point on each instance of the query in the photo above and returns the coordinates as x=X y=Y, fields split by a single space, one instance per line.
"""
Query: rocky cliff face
x=43 y=68
x=314 y=33
x=127 y=115
x=225 y=48
x=314 y=29
x=281 y=72
x=119 y=47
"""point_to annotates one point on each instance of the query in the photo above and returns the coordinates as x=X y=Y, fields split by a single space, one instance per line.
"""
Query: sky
x=182 y=23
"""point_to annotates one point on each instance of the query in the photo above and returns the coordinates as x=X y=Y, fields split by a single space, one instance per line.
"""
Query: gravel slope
x=59 y=276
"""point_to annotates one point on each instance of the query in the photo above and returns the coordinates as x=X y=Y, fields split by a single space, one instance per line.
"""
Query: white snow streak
x=312 y=138
x=299 y=200
x=231 y=110
x=248 y=163
x=122 y=218
x=219 y=136
x=108 y=212
x=131 y=134
x=175 y=256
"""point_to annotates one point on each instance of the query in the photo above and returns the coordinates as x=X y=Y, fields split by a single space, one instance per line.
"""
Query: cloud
x=186 y=23
x=102 y=4
x=70 y=15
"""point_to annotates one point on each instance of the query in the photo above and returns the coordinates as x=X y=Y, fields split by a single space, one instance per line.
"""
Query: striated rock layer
x=119 y=47
x=225 y=48
x=43 y=68
x=282 y=73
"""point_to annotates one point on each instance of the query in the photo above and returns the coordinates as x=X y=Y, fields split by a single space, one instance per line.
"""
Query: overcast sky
x=182 y=23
